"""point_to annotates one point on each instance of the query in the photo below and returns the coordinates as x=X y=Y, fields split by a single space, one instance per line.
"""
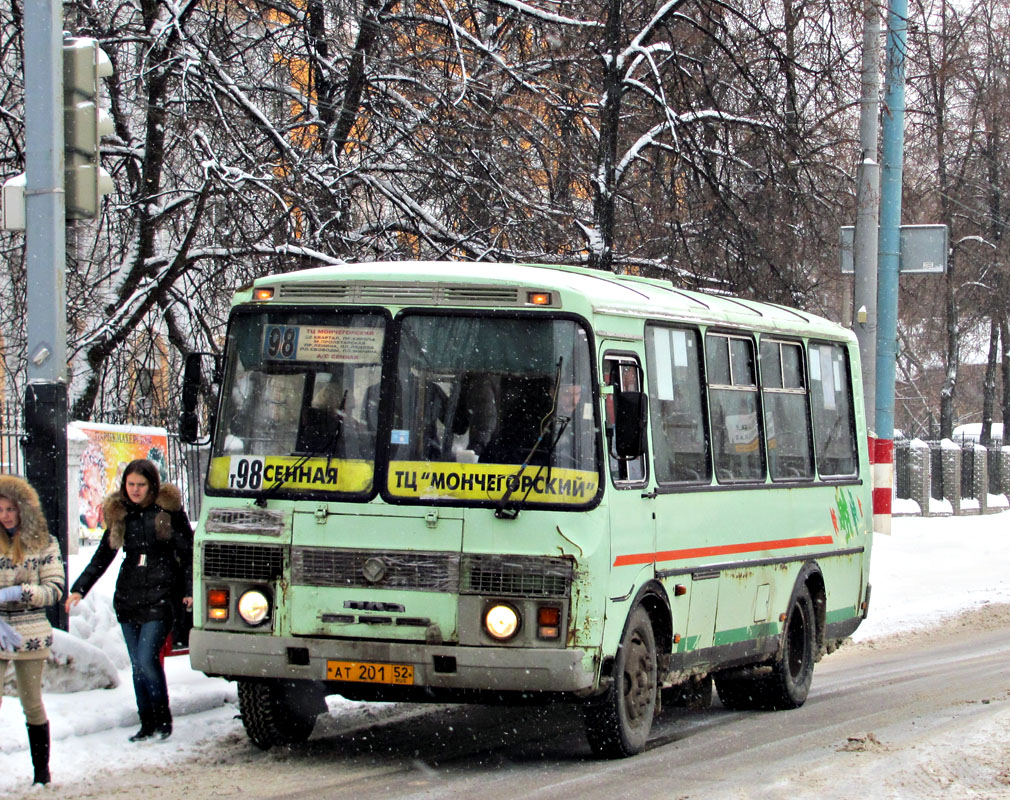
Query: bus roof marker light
x=538 y=298
x=266 y=293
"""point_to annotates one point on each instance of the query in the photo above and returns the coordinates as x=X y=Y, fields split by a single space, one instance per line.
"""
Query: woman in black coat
x=146 y=519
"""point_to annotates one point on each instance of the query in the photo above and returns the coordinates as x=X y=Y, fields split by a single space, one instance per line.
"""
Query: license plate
x=368 y=672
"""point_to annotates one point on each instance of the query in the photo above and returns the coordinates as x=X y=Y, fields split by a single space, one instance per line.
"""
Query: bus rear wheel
x=787 y=683
x=279 y=712
x=618 y=724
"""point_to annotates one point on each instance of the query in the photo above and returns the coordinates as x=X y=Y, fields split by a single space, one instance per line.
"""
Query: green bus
x=508 y=483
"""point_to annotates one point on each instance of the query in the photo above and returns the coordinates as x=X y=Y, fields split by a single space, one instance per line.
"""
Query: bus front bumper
x=240 y=655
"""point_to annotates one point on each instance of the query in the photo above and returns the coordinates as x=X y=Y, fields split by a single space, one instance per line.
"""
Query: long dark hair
x=145 y=468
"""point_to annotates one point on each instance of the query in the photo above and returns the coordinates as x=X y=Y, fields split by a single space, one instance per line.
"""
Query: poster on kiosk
x=109 y=449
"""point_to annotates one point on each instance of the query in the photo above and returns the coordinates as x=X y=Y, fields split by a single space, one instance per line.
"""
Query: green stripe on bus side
x=687 y=644
x=758 y=630
x=840 y=614
x=763 y=629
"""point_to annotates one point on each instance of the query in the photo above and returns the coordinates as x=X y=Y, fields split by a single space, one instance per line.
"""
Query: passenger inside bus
x=476 y=417
x=334 y=422
x=323 y=419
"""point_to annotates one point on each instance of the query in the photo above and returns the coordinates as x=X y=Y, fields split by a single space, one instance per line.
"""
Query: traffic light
x=84 y=124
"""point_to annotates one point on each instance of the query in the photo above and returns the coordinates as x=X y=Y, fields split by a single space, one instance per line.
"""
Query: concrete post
x=1004 y=473
x=951 y=459
x=919 y=474
x=980 y=477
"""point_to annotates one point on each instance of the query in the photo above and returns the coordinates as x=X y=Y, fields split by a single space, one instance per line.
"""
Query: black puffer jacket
x=157 y=544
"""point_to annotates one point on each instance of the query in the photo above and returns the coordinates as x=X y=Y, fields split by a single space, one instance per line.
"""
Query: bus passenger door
x=686 y=513
x=632 y=521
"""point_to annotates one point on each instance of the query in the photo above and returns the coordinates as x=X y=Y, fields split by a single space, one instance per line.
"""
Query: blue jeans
x=144 y=642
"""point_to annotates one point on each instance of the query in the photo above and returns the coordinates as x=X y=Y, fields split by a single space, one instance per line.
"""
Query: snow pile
x=94 y=621
x=76 y=665
x=932 y=568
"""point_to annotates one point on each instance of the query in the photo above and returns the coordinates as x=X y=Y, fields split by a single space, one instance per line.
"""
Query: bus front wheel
x=279 y=712
x=618 y=724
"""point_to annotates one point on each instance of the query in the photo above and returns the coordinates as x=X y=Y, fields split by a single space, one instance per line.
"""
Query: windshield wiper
x=328 y=448
x=504 y=509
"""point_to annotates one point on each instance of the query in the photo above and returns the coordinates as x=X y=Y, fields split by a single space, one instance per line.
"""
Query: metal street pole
x=864 y=250
x=893 y=143
x=45 y=443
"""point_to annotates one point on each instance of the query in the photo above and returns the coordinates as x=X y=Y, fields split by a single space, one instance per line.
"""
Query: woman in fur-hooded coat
x=31 y=578
x=146 y=520
x=157 y=542
x=29 y=559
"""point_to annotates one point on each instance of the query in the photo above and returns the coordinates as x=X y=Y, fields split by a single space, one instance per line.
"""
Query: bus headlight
x=501 y=621
x=253 y=606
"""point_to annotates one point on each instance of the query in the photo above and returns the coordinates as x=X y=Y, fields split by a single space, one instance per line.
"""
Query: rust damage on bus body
x=580 y=588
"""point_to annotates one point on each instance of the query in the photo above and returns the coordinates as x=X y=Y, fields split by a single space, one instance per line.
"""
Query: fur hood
x=114 y=511
x=34 y=532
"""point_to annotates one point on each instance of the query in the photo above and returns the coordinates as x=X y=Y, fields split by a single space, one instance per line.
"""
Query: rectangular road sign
x=923 y=249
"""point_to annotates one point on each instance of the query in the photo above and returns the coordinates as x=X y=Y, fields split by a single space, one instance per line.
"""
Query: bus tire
x=787 y=683
x=618 y=724
x=793 y=669
x=272 y=716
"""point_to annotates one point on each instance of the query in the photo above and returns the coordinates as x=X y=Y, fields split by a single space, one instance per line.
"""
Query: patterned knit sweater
x=40 y=574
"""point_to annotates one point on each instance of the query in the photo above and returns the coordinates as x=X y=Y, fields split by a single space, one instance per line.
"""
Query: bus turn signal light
x=538 y=298
x=217 y=605
x=548 y=622
x=263 y=294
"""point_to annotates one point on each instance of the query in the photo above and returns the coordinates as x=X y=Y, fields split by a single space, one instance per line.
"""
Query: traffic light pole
x=892 y=150
x=45 y=443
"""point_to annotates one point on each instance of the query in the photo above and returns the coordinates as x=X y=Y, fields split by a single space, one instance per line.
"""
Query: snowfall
x=91 y=706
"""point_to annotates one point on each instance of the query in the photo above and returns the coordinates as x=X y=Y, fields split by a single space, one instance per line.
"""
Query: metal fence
x=12 y=459
x=995 y=466
x=968 y=477
x=935 y=471
x=182 y=461
x=902 y=472
x=970 y=470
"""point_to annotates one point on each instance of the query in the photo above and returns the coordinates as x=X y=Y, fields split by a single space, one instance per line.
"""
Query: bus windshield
x=493 y=407
x=300 y=409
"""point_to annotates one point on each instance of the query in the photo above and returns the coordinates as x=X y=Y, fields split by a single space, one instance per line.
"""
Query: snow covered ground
x=968 y=557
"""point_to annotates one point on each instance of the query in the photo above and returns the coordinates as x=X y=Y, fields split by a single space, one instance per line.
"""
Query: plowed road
x=920 y=716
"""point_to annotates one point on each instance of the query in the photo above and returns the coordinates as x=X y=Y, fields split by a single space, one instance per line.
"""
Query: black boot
x=38 y=743
x=147 y=727
x=163 y=728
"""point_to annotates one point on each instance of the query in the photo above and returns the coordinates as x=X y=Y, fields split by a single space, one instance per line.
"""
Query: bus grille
x=514 y=576
x=248 y=562
x=519 y=576
x=384 y=569
x=404 y=294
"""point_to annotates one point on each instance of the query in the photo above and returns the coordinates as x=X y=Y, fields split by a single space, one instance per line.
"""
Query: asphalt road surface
x=923 y=715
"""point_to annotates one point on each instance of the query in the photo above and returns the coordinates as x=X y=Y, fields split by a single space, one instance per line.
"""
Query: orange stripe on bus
x=719 y=550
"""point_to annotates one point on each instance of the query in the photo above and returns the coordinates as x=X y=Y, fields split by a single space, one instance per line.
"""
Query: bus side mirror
x=631 y=413
x=192 y=384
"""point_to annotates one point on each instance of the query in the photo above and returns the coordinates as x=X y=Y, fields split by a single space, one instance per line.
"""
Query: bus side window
x=676 y=400
x=831 y=403
x=625 y=374
x=786 y=410
x=733 y=400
